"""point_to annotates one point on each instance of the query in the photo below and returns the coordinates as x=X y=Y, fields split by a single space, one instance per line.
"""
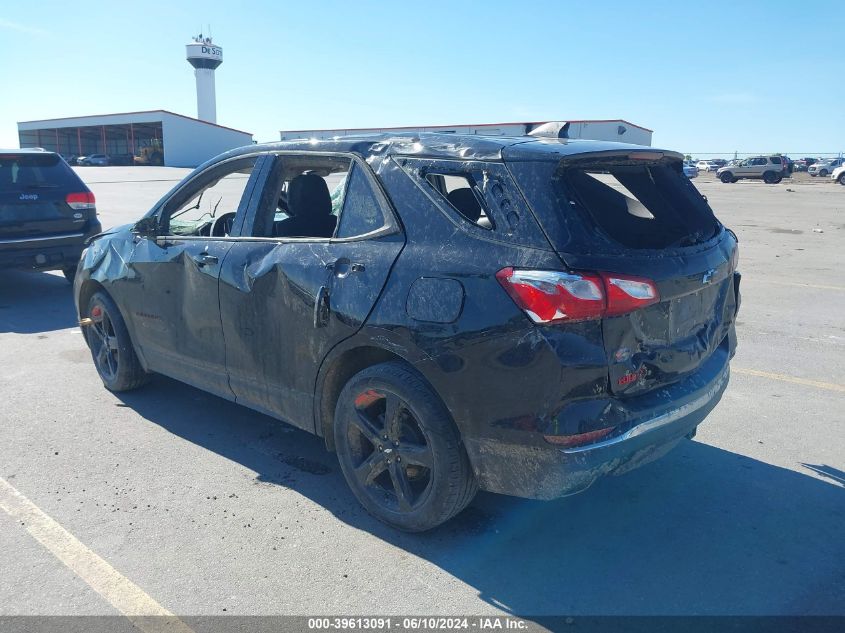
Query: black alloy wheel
x=112 y=351
x=390 y=454
x=399 y=449
x=103 y=342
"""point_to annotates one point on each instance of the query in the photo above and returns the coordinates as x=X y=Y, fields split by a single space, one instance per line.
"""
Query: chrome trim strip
x=41 y=239
x=663 y=419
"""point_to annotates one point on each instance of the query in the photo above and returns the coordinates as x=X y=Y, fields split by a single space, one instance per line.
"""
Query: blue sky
x=707 y=76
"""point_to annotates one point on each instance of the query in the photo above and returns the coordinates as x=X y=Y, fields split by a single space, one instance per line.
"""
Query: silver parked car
x=769 y=169
x=99 y=160
x=826 y=167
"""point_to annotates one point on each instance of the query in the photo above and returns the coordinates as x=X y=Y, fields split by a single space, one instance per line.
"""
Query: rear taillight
x=81 y=201
x=549 y=296
x=626 y=294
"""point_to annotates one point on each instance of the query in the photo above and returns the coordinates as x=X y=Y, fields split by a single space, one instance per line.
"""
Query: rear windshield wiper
x=41 y=186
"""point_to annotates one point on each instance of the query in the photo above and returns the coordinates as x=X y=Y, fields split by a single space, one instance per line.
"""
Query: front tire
x=822 y=173
x=110 y=345
x=841 y=179
x=399 y=449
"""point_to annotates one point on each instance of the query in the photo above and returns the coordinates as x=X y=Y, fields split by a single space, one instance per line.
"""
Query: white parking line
x=128 y=598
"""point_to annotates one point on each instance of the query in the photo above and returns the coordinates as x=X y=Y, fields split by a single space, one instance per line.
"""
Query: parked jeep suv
x=769 y=169
x=46 y=212
x=448 y=312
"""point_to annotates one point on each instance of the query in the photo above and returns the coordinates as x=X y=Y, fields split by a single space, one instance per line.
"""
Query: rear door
x=638 y=216
x=285 y=302
x=35 y=189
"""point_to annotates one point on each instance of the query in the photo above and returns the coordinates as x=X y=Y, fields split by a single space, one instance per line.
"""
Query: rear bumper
x=51 y=252
x=657 y=421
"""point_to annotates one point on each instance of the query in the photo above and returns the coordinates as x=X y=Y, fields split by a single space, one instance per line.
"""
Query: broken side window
x=462 y=193
x=210 y=199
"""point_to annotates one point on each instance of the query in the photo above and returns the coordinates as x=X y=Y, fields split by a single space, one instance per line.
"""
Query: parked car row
x=771 y=169
x=99 y=160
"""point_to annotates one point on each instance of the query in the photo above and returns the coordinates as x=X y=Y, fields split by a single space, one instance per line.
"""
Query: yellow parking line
x=125 y=596
x=783 y=377
x=796 y=284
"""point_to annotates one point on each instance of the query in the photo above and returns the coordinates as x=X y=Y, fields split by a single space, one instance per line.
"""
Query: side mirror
x=146 y=227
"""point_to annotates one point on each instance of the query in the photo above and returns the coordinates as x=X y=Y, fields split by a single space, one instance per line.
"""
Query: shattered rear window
x=638 y=205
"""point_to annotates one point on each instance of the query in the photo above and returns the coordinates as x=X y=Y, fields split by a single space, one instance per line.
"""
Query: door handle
x=321 y=307
x=205 y=258
x=343 y=267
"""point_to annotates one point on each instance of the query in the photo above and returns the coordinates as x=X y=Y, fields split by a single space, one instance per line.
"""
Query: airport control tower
x=205 y=57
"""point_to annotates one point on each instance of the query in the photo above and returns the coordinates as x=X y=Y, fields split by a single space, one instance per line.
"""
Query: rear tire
x=841 y=179
x=727 y=177
x=110 y=345
x=399 y=449
x=770 y=178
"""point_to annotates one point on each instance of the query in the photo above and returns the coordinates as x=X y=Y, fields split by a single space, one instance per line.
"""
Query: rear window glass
x=637 y=205
x=33 y=171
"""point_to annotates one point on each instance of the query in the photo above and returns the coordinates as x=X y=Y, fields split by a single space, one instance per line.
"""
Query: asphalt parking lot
x=211 y=509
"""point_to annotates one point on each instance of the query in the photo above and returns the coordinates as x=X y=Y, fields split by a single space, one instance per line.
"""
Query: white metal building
x=183 y=141
x=601 y=130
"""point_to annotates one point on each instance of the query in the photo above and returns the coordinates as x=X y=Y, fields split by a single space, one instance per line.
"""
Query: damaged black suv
x=448 y=312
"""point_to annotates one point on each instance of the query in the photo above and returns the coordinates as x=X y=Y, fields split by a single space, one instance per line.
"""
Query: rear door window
x=361 y=212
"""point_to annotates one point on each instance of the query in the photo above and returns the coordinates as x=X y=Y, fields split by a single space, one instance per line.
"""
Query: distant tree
x=687 y=157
